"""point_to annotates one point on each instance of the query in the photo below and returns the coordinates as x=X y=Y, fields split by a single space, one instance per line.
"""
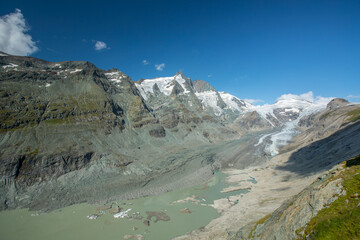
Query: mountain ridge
x=73 y=122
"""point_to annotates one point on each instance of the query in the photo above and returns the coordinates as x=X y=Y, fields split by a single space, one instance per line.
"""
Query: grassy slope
x=354 y=115
x=340 y=220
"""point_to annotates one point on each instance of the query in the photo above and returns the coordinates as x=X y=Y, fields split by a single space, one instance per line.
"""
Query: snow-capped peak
x=165 y=84
x=219 y=102
x=180 y=75
x=234 y=103
x=210 y=100
x=289 y=107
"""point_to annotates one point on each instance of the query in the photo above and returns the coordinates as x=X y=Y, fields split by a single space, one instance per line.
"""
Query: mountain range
x=72 y=132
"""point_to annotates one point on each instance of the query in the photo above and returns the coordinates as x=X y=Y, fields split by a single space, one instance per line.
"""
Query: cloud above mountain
x=100 y=45
x=160 y=67
x=309 y=96
x=353 y=96
x=254 y=101
x=13 y=37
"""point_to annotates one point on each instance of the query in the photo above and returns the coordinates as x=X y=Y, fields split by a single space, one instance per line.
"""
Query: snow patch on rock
x=209 y=99
x=76 y=70
x=11 y=65
x=114 y=76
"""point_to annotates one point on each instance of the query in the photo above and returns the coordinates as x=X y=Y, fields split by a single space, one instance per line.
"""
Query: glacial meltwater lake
x=72 y=222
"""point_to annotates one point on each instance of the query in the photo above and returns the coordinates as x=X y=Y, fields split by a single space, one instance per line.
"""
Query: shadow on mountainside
x=325 y=153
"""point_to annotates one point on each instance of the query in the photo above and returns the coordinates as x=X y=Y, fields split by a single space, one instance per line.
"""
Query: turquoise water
x=253 y=180
x=72 y=222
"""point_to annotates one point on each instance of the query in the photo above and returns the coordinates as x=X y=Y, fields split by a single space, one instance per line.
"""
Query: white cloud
x=160 y=66
x=253 y=101
x=353 y=96
x=209 y=76
x=99 y=45
x=309 y=96
x=145 y=62
x=13 y=37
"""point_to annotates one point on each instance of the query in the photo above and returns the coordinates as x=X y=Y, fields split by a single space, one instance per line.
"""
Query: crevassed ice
x=283 y=137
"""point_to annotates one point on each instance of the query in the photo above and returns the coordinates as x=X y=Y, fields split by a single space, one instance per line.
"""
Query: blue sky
x=252 y=49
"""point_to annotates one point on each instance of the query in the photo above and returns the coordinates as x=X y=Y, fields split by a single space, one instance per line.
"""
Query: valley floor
x=280 y=178
x=272 y=187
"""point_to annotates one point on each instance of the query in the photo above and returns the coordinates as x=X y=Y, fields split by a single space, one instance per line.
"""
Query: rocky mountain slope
x=332 y=132
x=72 y=122
x=327 y=138
x=236 y=113
x=332 y=136
x=198 y=95
x=328 y=208
x=221 y=104
x=173 y=101
x=112 y=138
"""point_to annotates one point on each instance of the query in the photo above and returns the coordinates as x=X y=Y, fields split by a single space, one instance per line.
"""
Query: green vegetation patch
x=354 y=115
x=261 y=221
x=341 y=219
x=325 y=115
